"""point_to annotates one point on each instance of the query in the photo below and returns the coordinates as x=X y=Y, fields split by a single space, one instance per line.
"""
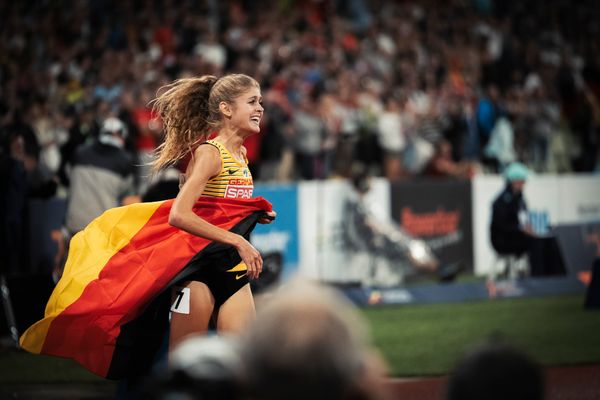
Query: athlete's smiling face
x=247 y=111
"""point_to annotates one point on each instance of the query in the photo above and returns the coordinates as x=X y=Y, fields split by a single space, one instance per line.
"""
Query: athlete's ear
x=225 y=109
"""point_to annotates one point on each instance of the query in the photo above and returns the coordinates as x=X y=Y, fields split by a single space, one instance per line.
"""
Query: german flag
x=111 y=305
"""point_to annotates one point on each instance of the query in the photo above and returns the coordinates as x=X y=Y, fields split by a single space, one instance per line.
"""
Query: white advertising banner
x=323 y=249
x=579 y=198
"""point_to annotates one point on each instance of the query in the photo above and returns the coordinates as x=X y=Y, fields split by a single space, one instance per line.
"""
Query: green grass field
x=428 y=339
x=416 y=340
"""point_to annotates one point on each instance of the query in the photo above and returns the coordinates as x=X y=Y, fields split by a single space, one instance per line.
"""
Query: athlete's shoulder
x=212 y=142
x=207 y=157
x=209 y=146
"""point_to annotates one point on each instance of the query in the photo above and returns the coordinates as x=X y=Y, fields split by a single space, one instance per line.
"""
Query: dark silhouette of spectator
x=457 y=129
x=510 y=230
x=84 y=129
x=13 y=202
x=496 y=371
x=22 y=178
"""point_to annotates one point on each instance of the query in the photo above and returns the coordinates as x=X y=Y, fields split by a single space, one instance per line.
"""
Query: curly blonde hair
x=189 y=109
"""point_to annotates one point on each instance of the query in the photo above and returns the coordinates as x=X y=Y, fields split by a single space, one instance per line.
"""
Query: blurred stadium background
x=427 y=101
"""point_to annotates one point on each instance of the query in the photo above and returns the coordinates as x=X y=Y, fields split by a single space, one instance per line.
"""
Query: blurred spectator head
x=308 y=342
x=202 y=356
x=200 y=368
x=516 y=174
x=496 y=371
x=113 y=127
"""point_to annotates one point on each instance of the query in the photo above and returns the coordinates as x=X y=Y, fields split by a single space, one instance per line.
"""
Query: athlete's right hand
x=251 y=257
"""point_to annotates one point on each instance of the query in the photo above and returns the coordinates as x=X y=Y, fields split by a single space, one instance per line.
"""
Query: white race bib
x=181 y=304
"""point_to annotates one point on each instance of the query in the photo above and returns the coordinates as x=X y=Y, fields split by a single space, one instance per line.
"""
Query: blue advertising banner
x=279 y=239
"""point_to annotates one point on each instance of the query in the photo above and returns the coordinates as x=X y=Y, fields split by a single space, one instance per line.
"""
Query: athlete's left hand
x=268 y=218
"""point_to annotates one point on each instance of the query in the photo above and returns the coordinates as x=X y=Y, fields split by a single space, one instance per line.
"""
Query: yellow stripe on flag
x=89 y=251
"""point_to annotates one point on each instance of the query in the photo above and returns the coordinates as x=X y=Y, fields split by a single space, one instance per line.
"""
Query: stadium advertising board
x=439 y=212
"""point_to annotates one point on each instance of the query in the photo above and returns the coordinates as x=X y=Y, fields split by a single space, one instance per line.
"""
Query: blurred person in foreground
x=510 y=231
x=200 y=367
x=308 y=342
x=496 y=371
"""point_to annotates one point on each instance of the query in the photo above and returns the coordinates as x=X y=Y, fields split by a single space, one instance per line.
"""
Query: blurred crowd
x=410 y=88
x=401 y=89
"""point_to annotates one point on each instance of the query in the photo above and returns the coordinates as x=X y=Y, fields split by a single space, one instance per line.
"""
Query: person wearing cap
x=101 y=175
x=510 y=233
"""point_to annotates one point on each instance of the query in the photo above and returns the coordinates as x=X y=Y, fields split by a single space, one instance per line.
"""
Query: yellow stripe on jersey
x=233 y=181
